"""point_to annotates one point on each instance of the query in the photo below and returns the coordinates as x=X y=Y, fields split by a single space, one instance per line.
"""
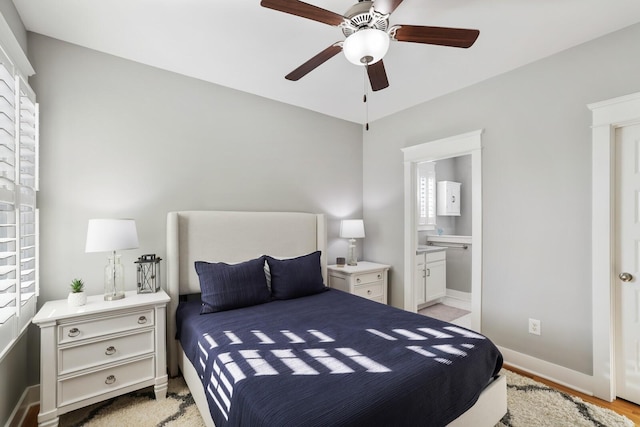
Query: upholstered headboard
x=224 y=236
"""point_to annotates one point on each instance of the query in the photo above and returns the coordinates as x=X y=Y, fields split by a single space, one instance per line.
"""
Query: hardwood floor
x=31 y=419
x=623 y=407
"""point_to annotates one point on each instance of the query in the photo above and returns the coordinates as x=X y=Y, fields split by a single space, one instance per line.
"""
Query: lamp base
x=113 y=297
x=352 y=259
x=114 y=279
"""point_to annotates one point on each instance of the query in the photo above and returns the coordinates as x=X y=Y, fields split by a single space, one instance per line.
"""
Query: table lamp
x=352 y=229
x=111 y=235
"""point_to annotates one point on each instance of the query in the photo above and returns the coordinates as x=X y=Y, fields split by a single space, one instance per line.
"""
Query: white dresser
x=367 y=279
x=100 y=350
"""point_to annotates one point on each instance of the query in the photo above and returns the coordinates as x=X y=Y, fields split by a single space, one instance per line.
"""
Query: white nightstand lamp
x=111 y=235
x=352 y=229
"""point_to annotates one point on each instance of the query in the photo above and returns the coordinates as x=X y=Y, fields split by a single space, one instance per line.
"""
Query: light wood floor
x=620 y=406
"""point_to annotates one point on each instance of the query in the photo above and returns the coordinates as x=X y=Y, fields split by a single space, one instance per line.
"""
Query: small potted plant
x=77 y=296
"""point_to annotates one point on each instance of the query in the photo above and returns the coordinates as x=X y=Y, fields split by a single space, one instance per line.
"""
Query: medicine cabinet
x=448 y=197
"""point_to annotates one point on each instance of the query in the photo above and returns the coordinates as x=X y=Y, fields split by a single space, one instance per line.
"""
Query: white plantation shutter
x=426 y=195
x=18 y=213
x=27 y=143
x=8 y=221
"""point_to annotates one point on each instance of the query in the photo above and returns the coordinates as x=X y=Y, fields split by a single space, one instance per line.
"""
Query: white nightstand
x=367 y=279
x=100 y=350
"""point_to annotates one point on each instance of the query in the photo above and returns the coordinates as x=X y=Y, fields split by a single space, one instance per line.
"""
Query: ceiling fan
x=366 y=28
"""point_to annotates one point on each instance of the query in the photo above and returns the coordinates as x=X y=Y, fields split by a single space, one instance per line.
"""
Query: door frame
x=607 y=116
x=465 y=144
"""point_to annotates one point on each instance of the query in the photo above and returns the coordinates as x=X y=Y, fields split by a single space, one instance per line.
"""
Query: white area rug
x=533 y=404
x=530 y=404
x=140 y=409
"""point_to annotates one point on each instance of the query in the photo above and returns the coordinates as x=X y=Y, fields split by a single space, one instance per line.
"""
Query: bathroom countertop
x=429 y=248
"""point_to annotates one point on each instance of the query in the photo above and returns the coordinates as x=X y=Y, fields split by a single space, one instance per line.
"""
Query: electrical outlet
x=534 y=326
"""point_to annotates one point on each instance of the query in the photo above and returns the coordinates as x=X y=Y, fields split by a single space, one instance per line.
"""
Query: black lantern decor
x=148 y=273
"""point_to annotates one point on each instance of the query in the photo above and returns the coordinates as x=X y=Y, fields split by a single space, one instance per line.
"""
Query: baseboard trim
x=458 y=299
x=558 y=374
x=30 y=397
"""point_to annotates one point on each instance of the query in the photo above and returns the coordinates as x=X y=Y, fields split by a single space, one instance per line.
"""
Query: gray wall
x=459 y=268
x=121 y=139
x=462 y=168
x=10 y=14
x=13 y=367
x=536 y=188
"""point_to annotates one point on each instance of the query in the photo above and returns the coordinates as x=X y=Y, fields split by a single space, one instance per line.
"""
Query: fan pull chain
x=364 y=99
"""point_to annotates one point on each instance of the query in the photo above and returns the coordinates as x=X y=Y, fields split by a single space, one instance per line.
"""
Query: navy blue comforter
x=334 y=359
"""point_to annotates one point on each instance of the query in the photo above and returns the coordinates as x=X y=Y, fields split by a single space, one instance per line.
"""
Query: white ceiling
x=241 y=45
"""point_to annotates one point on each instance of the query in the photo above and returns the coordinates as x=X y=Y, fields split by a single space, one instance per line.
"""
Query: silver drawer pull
x=73 y=332
x=379 y=276
x=110 y=350
x=358 y=280
x=110 y=379
x=142 y=320
x=369 y=291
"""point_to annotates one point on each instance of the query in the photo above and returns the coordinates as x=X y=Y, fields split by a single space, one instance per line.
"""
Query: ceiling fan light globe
x=366 y=46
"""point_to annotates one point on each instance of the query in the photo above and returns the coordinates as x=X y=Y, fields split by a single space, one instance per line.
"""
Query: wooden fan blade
x=454 y=37
x=304 y=10
x=314 y=62
x=377 y=76
x=386 y=6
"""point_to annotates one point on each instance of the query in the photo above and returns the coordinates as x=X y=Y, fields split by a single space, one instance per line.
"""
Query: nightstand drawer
x=368 y=277
x=81 y=387
x=88 y=355
x=96 y=327
x=370 y=291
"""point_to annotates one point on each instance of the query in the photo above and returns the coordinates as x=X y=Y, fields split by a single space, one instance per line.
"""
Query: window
x=426 y=195
x=18 y=213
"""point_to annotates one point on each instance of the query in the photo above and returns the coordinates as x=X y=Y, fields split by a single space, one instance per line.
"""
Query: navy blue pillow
x=228 y=286
x=296 y=277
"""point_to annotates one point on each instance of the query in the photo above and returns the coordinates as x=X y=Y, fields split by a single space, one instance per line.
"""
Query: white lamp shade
x=352 y=229
x=106 y=235
x=366 y=46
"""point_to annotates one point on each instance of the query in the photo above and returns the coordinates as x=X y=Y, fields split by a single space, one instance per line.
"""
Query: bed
x=323 y=358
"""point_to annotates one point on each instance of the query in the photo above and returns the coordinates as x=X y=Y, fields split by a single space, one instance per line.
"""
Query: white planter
x=77 y=299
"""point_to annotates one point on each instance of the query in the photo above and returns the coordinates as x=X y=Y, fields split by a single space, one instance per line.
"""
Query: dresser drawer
x=368 y=277
x=370 y=291
x=94 y=383
x=89 y=328
x=83 y=356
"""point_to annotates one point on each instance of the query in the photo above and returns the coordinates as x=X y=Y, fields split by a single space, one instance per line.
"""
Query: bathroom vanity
x=430 y=274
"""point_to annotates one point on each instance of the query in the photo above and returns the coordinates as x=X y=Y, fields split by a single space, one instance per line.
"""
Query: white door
x=627 y=263
x=436 y=280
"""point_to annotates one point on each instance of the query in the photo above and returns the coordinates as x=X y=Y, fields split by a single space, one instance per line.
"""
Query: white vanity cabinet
x=448 y=198
x=430 y=275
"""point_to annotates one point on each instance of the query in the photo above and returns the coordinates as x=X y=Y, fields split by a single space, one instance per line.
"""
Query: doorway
x=461 y=145
x=608 y=118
